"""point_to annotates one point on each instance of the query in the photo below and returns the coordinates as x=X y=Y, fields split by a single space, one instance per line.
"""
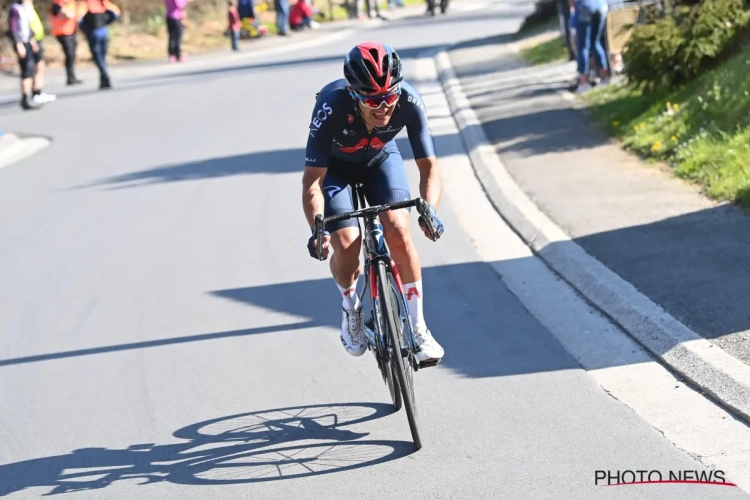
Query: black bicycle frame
x=375 y=248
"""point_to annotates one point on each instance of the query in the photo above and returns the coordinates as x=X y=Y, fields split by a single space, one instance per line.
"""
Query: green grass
x=702 y=130
x=546 y=52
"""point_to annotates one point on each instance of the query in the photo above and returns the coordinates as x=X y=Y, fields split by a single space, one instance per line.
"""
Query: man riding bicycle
x=351 y=140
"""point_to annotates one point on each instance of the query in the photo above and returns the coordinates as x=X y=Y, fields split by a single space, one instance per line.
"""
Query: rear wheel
x=401 y=365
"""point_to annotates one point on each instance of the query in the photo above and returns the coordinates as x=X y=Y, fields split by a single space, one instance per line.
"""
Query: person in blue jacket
x=590 y=16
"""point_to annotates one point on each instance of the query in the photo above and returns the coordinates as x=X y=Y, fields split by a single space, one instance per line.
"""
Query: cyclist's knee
x=396 y=229
x=346 y=242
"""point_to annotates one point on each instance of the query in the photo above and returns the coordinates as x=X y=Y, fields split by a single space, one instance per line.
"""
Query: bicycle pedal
x=429 y=363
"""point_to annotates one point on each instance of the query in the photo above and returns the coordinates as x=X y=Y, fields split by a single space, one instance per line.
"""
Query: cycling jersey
x=338 y=134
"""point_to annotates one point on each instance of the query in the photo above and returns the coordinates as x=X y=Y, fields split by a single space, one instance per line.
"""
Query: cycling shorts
x=383 y=182
x=26 y=63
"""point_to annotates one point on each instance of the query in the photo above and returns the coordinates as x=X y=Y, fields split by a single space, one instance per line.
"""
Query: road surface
x=165 y=334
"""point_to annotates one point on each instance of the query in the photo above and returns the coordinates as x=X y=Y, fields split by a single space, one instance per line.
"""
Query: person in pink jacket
x=175 y=27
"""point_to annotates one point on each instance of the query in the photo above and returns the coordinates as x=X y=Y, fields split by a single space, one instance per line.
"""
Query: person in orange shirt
x=64 y=26
x=93 y=18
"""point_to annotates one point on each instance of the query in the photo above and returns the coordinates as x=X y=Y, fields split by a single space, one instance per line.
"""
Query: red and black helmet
x=373 y=67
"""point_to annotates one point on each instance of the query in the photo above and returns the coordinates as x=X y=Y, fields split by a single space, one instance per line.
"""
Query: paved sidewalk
x=684 y=252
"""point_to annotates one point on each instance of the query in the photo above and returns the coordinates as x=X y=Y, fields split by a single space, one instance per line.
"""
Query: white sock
x=413 y=295
x=351 y=299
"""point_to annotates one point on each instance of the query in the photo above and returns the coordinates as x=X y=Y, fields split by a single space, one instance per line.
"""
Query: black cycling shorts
x=26 y=63
x=39 y=54
x=383 y=182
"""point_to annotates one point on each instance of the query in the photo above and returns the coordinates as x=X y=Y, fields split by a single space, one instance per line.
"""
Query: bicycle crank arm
x=429 y=363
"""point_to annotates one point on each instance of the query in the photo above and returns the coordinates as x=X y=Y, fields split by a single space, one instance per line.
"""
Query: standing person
x=176 y=28
x=301 y=15
x=19 y=30
x=282 y=16
x=38 y=29
x=565 y=13
x=94 y=16
x=234 y=25
x=64 y=27
x=590 y=18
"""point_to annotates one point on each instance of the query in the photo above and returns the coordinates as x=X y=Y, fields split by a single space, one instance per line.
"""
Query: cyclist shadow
x=251 y=447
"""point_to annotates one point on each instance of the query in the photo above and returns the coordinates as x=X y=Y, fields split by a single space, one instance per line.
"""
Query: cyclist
x=351 y=139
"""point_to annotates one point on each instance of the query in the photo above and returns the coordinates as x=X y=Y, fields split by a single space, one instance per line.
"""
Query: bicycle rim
x=404 y=370
x=384 y=360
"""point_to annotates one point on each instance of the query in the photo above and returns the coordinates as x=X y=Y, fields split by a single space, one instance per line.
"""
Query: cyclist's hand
x=312 y=245
x=437 y=225
x=21 y=48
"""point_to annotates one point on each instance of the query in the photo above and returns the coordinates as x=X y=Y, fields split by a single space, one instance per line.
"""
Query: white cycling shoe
x=429 y=347
x=352 y=332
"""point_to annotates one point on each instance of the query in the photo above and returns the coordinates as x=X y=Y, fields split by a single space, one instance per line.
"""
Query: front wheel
x=397 y=346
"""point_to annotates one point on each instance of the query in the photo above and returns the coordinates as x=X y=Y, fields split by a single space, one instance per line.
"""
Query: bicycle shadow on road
x=259 y=446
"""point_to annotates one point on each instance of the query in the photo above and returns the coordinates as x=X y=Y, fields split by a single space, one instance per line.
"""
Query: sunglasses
x=374 y=101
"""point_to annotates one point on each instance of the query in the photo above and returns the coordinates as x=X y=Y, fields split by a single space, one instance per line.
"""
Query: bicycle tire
x=393 y=386
x=389 y=310
x=385 y=365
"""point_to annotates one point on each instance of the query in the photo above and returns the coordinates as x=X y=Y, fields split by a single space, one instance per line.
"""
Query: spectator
x=569 y=26
x=246 y=9
x=590 y=19
x=282 y=16
x=19 y=30
x=300 y=16
x=64 y=27
x=94 y=17
x=176 y=28
x=38 y=81
x=234 y=25
x=377 y=8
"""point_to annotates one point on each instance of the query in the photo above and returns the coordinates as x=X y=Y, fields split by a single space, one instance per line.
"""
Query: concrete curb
x=708 y=367
x=14 y=148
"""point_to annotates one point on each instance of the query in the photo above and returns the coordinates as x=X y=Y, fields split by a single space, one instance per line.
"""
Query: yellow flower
x=674 y=138
x=675 y=106
x=656 y=146
x=615 y=123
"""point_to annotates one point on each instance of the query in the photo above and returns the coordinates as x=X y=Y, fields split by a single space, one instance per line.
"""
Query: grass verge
x=546 y=52
x=701 y=130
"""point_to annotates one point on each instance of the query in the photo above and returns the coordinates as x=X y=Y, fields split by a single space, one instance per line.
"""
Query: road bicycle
x=389 y=332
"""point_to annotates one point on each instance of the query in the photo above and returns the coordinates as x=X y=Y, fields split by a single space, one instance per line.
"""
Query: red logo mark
x=350 y=118
x=349 y=292
x=375 y=143
x=412 y=291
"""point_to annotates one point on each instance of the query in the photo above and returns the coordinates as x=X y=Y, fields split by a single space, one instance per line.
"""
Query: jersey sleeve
x=320 y=137
x=417 y=127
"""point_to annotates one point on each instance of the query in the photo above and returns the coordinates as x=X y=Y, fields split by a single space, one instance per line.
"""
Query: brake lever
x=319 y=231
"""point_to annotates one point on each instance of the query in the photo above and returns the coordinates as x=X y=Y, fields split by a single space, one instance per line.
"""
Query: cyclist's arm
x=313 y=202
x=430 y=180
x=317 y=155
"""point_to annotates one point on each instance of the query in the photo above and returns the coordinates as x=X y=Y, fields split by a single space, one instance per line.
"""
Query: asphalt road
x=166 y=335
